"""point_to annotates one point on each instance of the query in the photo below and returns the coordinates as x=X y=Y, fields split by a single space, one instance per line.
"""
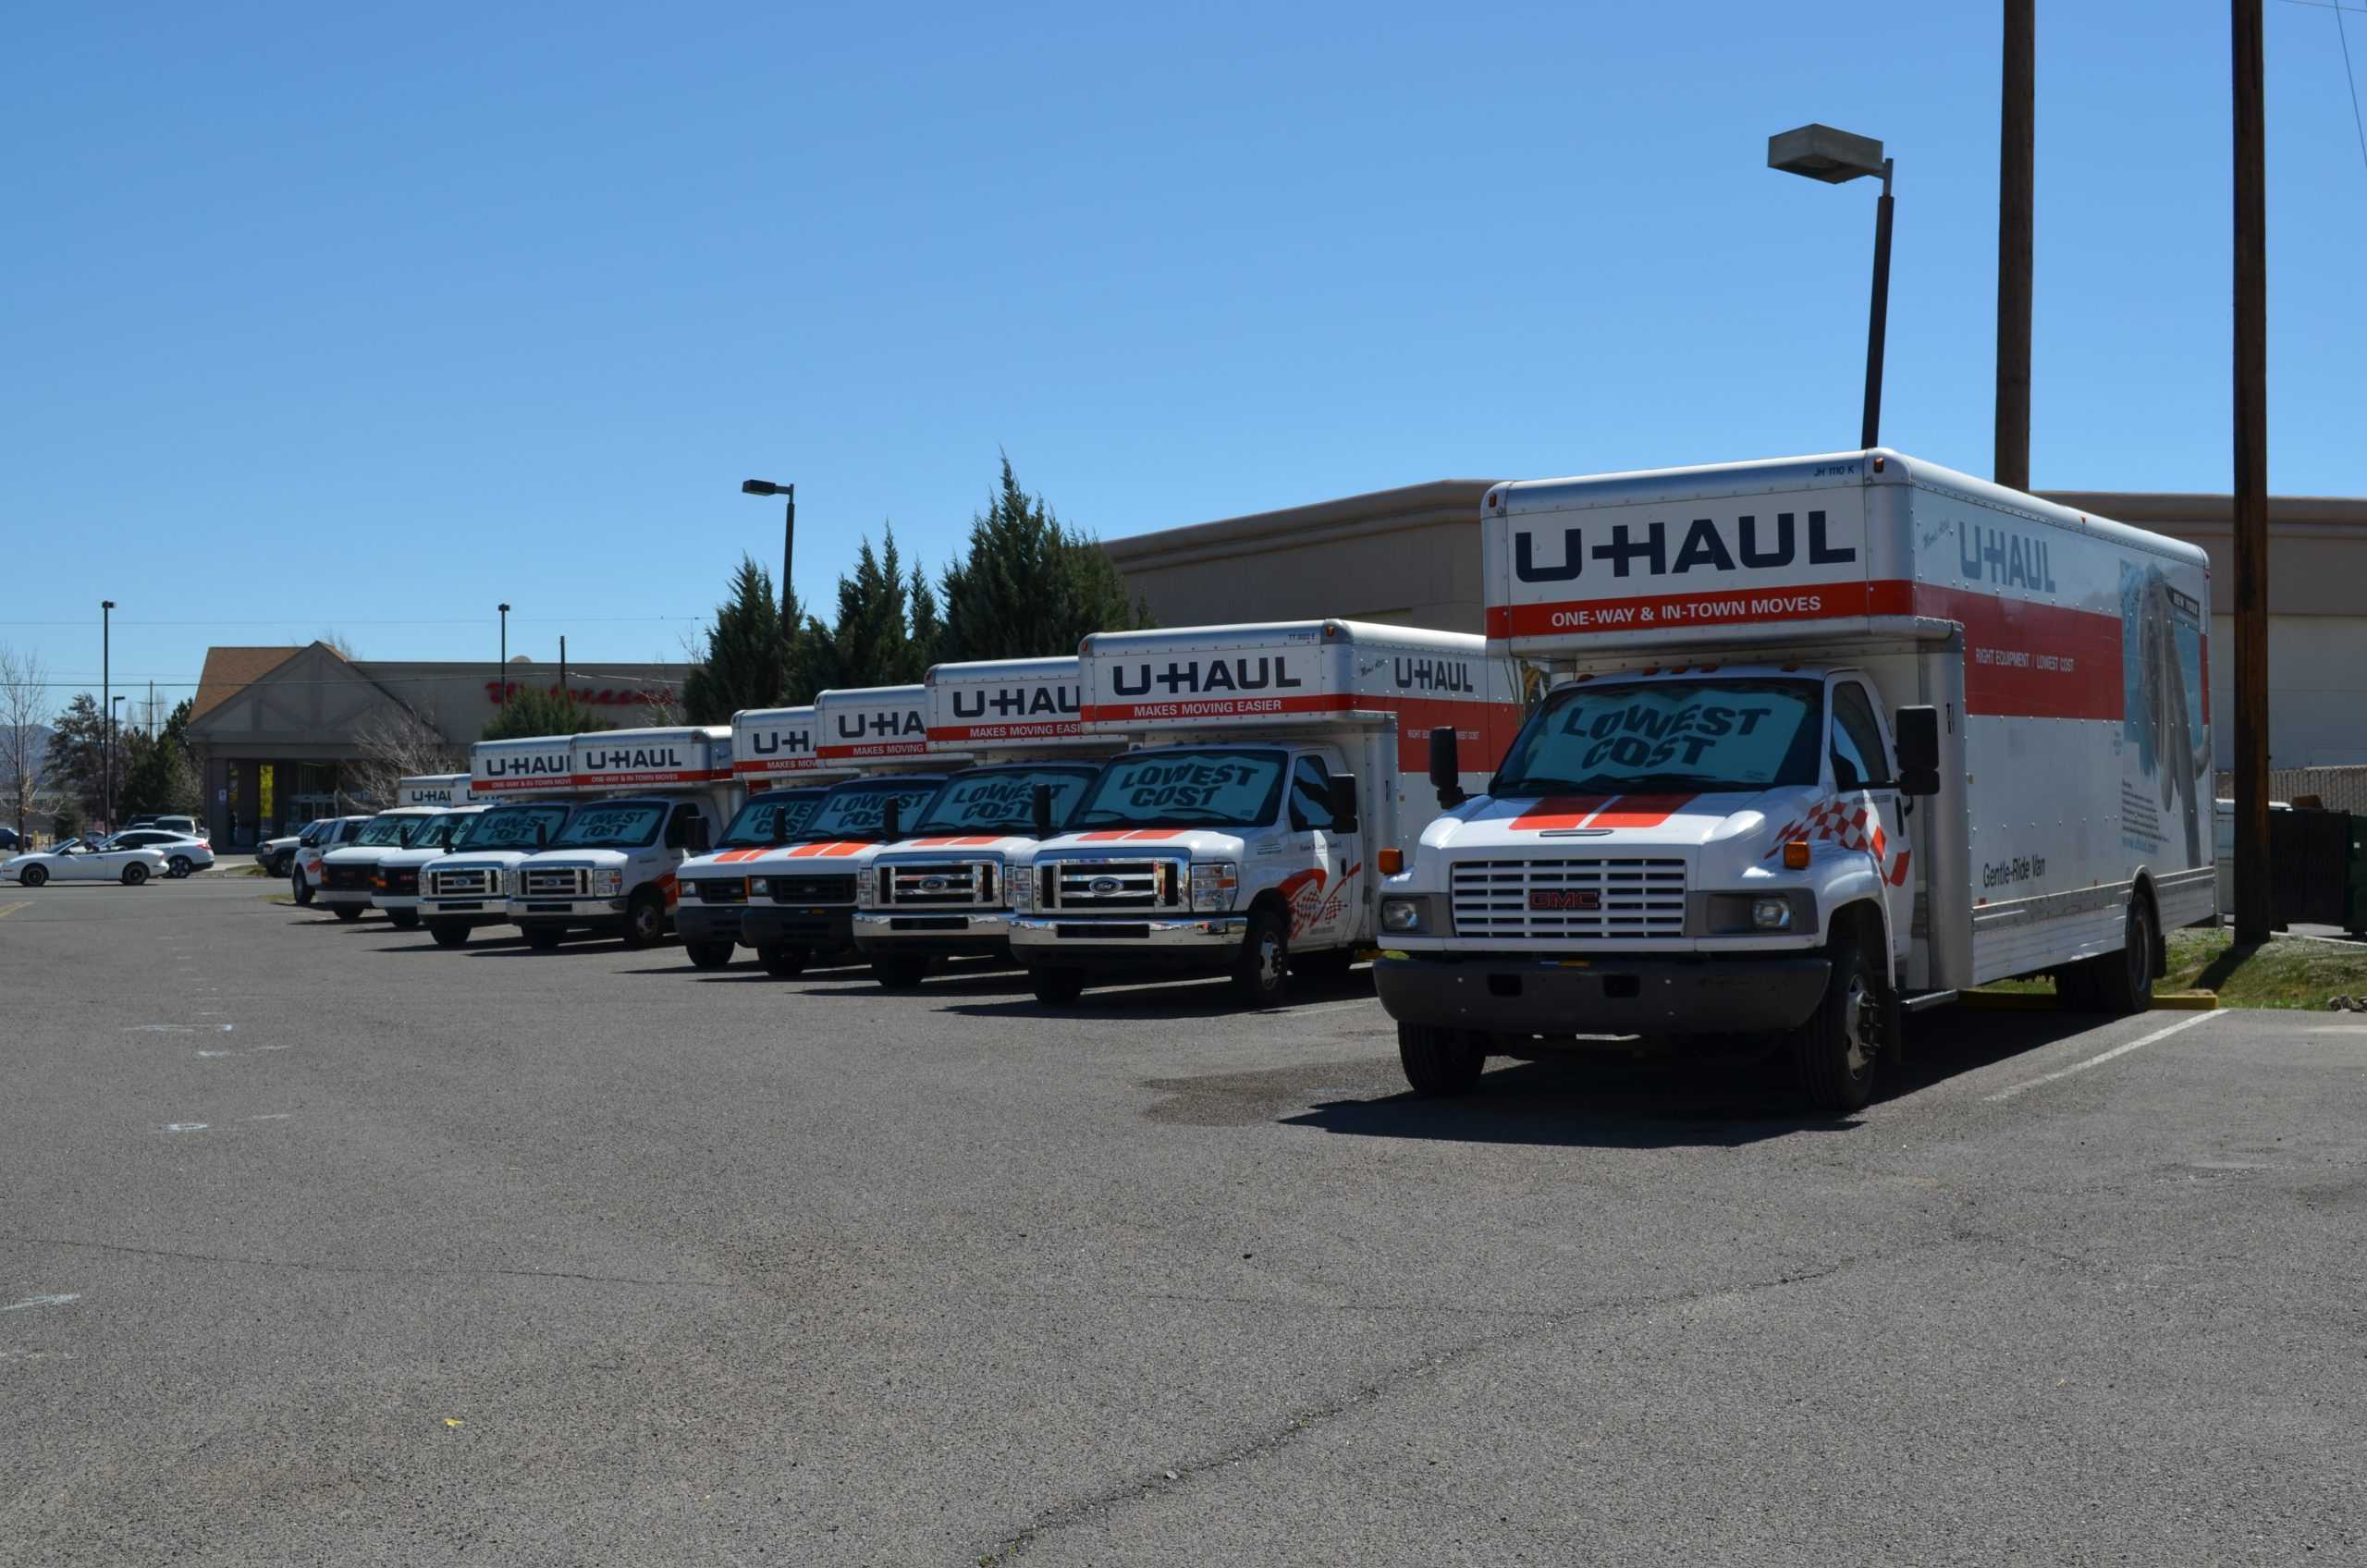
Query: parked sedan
x=80 y=863
x=183 y=852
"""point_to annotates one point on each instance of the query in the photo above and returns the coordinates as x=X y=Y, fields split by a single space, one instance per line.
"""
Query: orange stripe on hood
x=1560 y=811
x=1640 y=811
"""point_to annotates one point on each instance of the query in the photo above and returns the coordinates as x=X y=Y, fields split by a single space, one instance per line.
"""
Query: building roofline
x=1377 y=511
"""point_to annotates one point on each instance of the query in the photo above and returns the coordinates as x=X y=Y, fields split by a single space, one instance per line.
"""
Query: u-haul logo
x=1267 y=673
x=528 y=764
x=1709 y=545
x=1042 y=701
x=1451 y=676
x=772 y=742
x=896 y=724
x=633 y=759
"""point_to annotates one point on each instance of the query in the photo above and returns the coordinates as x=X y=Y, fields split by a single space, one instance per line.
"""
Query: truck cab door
x=1863 y=780
x=1317 y=891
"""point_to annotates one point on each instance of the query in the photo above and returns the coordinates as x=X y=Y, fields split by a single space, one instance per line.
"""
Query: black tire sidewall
x=1249 y=972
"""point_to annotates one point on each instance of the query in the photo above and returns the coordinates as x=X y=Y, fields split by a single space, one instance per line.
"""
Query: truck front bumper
x=1200 y=941
x=966 y=934
x=528 y=913
x=815 y=928
x=475 y=912
x=701 y=921
x=341 y=896
x=1514 y=994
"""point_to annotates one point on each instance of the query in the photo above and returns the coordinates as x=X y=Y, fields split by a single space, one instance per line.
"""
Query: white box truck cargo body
x=799 y=897
x=774 y=752
x=526 y=786
x=1270 y=773
x=944 y=889
x=1834 y=737
x=653 y=798
x=349 y=877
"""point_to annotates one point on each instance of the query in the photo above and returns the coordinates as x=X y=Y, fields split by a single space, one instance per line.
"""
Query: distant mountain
x=40 y=733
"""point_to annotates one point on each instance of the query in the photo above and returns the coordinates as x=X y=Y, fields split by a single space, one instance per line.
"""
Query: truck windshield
x=438 y=834
x=611 y=825
x=381 y=832
x=770 y=819
x=859 y=811
x=1002 y=799
x=509 y=828
x=1699 y=735
x=1200 y=788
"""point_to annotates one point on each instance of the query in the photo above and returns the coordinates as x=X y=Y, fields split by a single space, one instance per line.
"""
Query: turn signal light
x=1795 y=855
x=1392 y=862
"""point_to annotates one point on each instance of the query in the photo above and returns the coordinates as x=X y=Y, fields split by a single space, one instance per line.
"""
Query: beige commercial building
x=1411 y=556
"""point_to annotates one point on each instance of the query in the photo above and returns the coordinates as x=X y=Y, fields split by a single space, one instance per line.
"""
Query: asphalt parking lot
x=324 y=1245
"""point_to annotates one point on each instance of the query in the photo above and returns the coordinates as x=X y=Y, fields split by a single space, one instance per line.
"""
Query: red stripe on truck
x=1639 y=811
x=1559 y=811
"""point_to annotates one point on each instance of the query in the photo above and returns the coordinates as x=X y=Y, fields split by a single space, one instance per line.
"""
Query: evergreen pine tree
x=1030 y=587
x=746 y=664
x=927 y=627
x=541 y=711
x=77 y=754
x=871 y=642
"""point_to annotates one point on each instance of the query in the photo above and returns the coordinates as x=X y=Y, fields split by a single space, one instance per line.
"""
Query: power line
x=2350 y=80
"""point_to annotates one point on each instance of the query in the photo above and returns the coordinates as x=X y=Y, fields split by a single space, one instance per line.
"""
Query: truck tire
x=347 y=912
x=901 y=972
x=1261 y=975
x=544 y=939
x=302 y=889
x=1838 y=1051
x=1056 y=987
x=404 y=919
x=644 y=919
x=2122 y=982
x=449 y=933
x=709 y=955
x=1439 y=1063
x=783 y=962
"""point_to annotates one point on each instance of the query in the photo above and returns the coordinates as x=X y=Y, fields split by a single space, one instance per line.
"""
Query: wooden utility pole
x=2251 y=482
x=2015 y=165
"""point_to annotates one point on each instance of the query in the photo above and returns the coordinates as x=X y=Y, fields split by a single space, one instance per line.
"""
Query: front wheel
x=783 y=962
x=2122 y=982
x=134 y=875
x=644 y=920
x=903 y=971
x=34 y=875
x=302 y=889
x=449 y=933
x=349 y=912
x=544 y=939
x=1261 y=974
x=1439 y=1063
x=709 y=955
x=1057 y=987
x=1838 y=1050
x=404 y=919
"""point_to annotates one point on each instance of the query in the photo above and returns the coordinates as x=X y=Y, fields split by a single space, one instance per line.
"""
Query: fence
x=2337 y=789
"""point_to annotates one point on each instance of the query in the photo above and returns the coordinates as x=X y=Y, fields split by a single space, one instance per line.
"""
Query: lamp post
x=1819 y=151
x=106 y=708
x=788 y=549
x=114 y=728
x=502 y=685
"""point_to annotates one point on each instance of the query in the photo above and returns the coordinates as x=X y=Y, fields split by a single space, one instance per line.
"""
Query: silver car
x=183 y=852
x=80 y=862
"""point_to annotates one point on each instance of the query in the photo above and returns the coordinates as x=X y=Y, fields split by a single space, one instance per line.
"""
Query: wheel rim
x=644 y=923
x=1862 y=1026
x=2138 y=955
x=1270 y=961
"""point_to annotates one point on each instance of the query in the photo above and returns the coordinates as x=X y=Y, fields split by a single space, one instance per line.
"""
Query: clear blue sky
x=325 y=317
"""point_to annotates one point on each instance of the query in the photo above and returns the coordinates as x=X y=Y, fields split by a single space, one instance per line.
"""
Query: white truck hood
x=351 y=854
x=1199 y=843
x=613 y=859
x=1744 y=826
x=829 y=854
x=956 y=846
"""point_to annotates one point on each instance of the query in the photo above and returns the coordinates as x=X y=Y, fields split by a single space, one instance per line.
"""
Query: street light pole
x=1820 y=152
x=788 y=553
x=2015 y=162
x=2253 y=901
x=502 y=686
x=106 y=710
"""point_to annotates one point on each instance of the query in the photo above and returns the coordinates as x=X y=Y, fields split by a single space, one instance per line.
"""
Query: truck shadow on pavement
x=1194 y=997
x=1603 y=1101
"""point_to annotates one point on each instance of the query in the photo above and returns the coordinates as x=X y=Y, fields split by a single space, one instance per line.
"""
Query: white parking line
x=2187 y=1022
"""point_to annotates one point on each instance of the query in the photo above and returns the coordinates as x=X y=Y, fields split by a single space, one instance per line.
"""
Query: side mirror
x=1916 y=733
x=1446 y=766
x=892 y=818
x=1040 y=804
x=780 y=834
x=1344 y=802
x=541 y=834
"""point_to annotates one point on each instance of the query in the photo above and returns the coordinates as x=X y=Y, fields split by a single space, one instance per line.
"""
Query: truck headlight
x=1770 y=915
x=607 y=881
x=1403 y=915
x=1759 y=915
x=1214 y=883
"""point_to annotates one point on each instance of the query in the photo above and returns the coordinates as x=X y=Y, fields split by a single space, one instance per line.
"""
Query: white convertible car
x=80 y=863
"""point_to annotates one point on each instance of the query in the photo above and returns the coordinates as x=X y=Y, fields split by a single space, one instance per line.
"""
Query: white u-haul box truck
x=350 y=874
x=1244 y=834
x=801 y=896
x=654 y=797
x=945 y=891
x=527 y=787
x=394 y=882
x=1834 y=737
x=774 y=752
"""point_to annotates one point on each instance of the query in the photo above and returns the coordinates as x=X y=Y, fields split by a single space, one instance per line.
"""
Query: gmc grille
x=837 y=889
x=1632 y=897
x=558 y=882
x=1098 y=885
x=948 y=885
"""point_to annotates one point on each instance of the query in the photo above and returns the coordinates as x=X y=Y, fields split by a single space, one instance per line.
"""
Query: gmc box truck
x=1833 y=738
x=945 y=891
x=1240 y=836
x=652 y=798
x=527 y=786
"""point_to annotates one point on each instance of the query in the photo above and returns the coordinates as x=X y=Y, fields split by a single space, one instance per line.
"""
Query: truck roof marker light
x=1390 y=861
x=1795 y=855
x=1878 y=463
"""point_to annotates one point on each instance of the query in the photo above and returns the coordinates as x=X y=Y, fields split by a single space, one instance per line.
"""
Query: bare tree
x=396 y=743
x=24 y=702
x=339 y=643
